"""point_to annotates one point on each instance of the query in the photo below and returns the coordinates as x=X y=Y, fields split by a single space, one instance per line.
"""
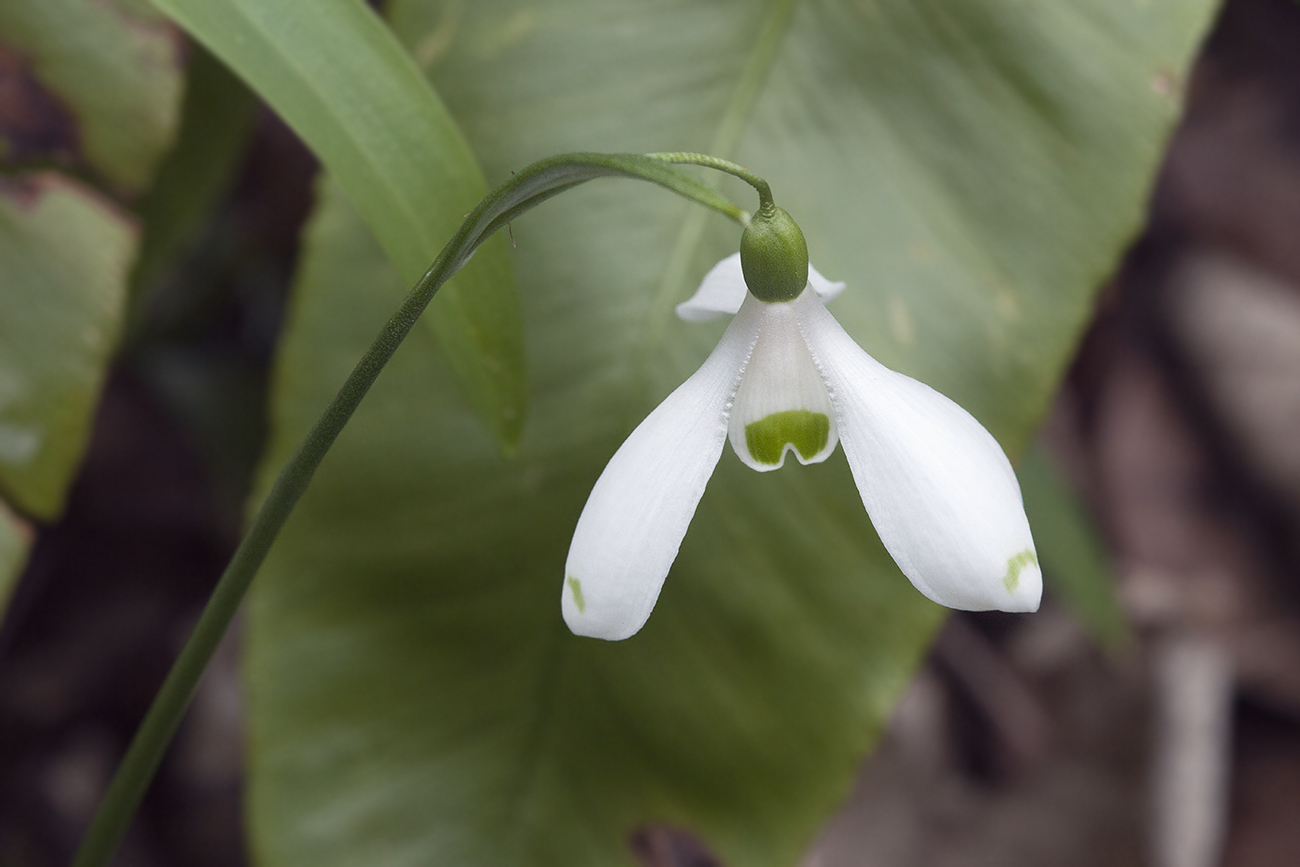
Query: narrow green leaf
x=1075 y=565
x=64 y=257
x=337 y=76
x=93 y=80
x=971 y=169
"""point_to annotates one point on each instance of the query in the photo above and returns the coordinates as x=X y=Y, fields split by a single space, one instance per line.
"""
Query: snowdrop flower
x=786 y=378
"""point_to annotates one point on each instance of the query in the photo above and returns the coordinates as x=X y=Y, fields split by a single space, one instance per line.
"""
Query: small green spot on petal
x=767 y=438
x=575 y=587
x=1014 y=564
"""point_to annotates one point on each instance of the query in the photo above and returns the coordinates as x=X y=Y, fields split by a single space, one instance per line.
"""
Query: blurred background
x=1164 y=730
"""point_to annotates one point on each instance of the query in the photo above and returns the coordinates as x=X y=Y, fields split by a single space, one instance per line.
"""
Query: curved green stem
x=765 y=201
x=526 y=189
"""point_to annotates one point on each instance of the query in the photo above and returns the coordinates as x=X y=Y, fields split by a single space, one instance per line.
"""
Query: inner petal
x=782 y=405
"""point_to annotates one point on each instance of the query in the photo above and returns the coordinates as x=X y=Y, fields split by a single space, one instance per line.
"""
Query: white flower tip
x=1022 y=583
x=973 y=582
x=632 y=526
x=938 y=487
x=611 y=624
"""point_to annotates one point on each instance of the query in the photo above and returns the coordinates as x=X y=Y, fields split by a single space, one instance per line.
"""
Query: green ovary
x=767 y=438
x=1014 y=564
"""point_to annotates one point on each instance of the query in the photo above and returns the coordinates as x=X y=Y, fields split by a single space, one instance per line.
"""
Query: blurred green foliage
x=93 y=90
x=64 y=262
x=216 y=123
x=103 y=82
x=972 y=170
x=14 y=539
x=339 y=79
x=1075 y=566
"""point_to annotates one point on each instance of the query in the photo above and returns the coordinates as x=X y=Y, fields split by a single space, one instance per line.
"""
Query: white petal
x=825 y=289
x=782 y=405
x=721 y=293
x=939 y=489
x=636 y=517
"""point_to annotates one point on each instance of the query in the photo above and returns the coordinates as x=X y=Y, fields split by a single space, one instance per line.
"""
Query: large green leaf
x=337 y=76
x=971 y=169
x=64 y=258
x=92 y=80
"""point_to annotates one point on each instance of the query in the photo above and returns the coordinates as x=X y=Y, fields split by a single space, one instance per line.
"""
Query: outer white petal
x=723 y=290
x=782 y=405
x=720 y=294
x=939 y=489
x=634 y=521
x=825 y=289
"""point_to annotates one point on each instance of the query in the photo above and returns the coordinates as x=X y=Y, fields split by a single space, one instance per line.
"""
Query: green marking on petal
x=767 y=438
x=1014 y=564
x=575 y=587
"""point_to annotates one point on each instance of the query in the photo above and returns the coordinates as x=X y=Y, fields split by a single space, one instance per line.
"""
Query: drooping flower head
x=785 y=377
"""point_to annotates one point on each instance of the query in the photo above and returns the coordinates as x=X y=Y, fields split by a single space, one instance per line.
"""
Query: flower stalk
x=525 y=190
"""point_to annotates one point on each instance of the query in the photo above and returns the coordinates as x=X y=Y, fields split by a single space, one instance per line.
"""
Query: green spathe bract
x=774 y=255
